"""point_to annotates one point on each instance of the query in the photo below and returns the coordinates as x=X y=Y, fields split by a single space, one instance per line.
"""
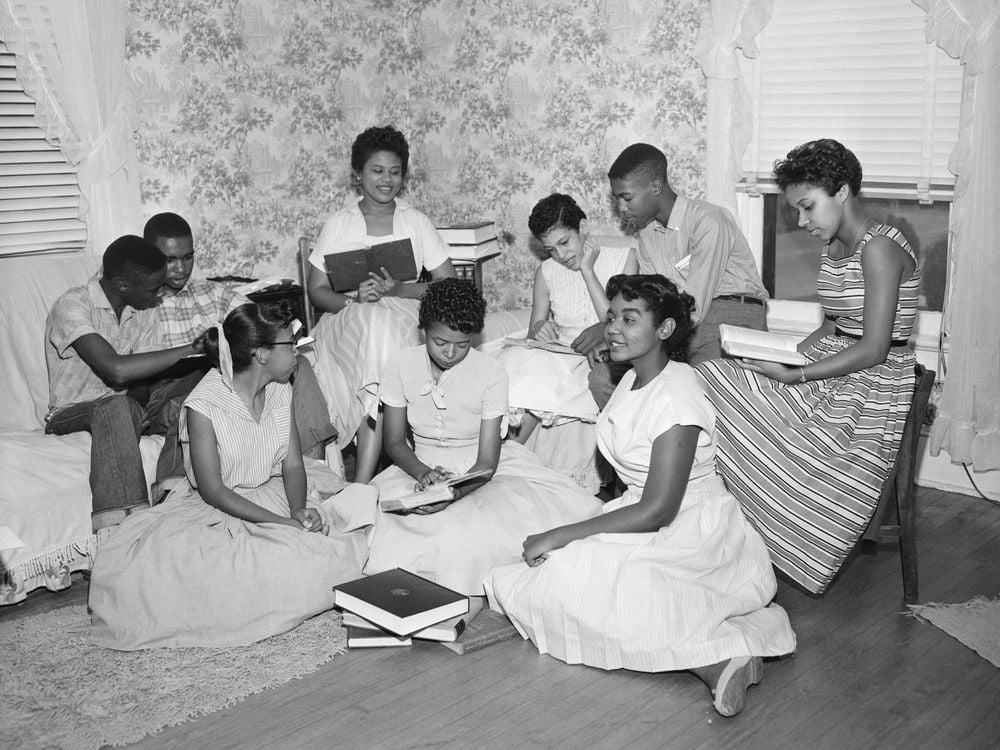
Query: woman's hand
x=545 y=330
x=431 y=477
x=774 y=370
x=309 y=519
x=367 y=292
x=385 y=285
x=537 y=547
x=591 y=252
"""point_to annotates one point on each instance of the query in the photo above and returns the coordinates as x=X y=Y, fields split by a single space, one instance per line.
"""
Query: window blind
x=861 y=72
x=39 y=191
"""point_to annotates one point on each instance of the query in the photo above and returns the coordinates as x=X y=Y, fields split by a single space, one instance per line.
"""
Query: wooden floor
x=865 y=675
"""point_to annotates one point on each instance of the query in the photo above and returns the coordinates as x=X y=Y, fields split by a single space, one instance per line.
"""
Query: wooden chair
x=310 y=312
x=899 y=489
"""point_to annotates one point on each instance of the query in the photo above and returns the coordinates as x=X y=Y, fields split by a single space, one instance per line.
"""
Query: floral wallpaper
x=248 y=109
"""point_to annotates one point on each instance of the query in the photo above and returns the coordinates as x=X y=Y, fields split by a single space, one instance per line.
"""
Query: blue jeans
x=115 y=423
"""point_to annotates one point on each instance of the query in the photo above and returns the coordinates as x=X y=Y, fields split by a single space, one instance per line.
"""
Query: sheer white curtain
x=968 y=419
x=730 y=25
x=71 y=60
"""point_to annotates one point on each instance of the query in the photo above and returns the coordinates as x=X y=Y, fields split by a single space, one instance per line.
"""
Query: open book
x=750 y=344
x=436 y=493
x=347 y=268
x=549 y=346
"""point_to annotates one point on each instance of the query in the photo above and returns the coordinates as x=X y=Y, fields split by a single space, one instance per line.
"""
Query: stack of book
x=471 y=241
x=395 y=607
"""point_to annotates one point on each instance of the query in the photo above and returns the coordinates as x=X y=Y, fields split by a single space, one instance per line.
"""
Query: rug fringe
x=41 y=563
x=978 y=602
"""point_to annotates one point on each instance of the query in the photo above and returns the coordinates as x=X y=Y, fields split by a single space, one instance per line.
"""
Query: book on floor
x=400 y=601
x=474 y=252
x=347 y=268
x=485 y=629
x=549 y=346
x=468 y=233
x=373 y=637
x=436 y=493
x=448 y=630
x=750 y=344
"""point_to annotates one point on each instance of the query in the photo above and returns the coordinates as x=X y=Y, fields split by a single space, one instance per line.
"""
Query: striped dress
x=188 y=574
x=808 y=461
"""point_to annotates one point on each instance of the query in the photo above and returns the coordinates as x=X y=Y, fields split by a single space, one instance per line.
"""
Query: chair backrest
x=305 y=250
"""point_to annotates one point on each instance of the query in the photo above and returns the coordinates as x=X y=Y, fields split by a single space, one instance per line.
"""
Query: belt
x=745 y=298
x=894 y=343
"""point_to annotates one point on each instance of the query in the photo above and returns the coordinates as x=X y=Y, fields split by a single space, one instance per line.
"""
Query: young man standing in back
x=695 y=244
x=100 y=340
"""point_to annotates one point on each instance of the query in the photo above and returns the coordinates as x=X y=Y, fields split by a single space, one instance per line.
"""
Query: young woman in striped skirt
x=670 y=576
x=250 y=545
x=806 y=449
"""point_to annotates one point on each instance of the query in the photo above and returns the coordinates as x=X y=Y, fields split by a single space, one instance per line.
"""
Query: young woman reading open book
x=453 y=400
x=806 y=448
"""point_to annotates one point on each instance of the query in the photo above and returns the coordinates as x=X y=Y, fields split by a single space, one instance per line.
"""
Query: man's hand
x=590 y=340
x=600 y=384
x=199 y=342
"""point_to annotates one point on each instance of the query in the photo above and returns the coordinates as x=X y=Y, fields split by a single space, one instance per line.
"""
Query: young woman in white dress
x=252 y=544
x=670 y=576
x=452 y=399
x=551 y=389
x=362 y=328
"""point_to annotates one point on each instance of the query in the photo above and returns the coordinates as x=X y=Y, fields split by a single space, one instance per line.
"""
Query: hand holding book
x=434 y=496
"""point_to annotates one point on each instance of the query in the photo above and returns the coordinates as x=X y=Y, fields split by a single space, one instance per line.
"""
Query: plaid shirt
x=83 y=310
x=199 y=305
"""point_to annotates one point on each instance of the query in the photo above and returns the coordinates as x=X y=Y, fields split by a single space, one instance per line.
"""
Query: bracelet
x=348 y=301
x=802 y=375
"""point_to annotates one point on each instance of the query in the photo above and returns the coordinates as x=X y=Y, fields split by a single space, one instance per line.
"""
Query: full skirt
x=351 y=348
x=185 y=573
x=807 y=461
x=694 y=593
x=458 y=546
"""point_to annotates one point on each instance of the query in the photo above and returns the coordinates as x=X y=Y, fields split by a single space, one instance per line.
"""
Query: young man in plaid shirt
x=189 y=307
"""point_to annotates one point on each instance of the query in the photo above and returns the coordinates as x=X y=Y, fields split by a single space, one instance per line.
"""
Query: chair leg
x=906 y=505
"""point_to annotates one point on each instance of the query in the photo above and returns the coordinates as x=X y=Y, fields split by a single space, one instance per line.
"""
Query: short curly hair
x=664 y=300
x=455 y=303
x=376 y=139
x=556 y=210
x=824 y=163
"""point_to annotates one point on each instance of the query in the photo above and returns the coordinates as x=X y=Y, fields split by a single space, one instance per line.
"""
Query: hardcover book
x=750 y=344
x=468 y=233
x=347 y=268
x=436 y=493
x=448 y=630
x=474 y=252
x=373 y=637
x=399 y=601
x=485 y=629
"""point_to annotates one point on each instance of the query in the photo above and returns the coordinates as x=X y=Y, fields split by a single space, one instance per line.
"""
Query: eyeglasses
x=294 y=344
